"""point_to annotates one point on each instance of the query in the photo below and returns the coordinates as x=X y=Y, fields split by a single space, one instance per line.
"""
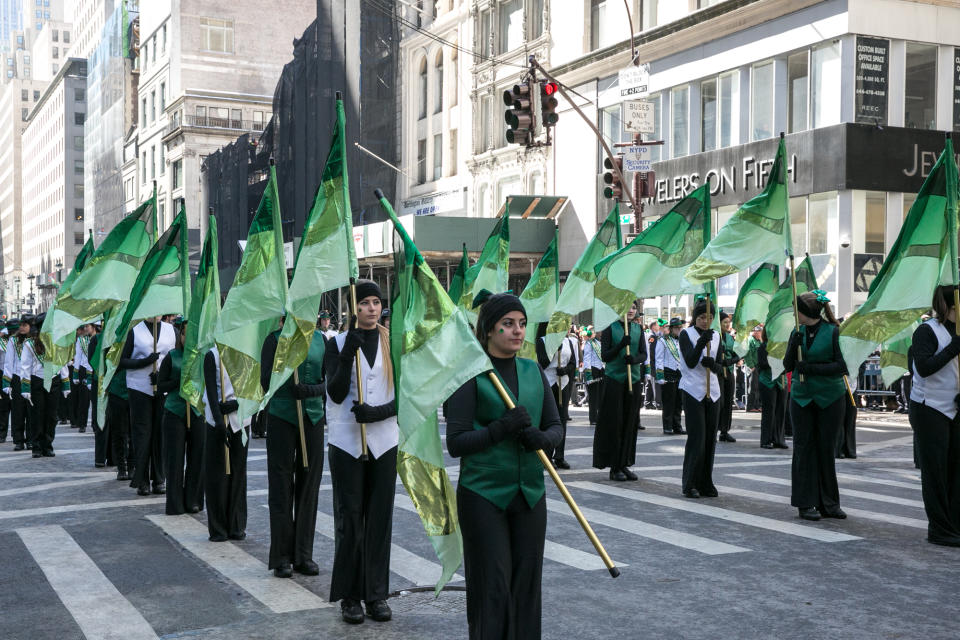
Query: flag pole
x=155 y=321
x=611 y=567
x=356 y=323
x=709 y=305
x=226 y=444
x=303 y=437
x=796 y=311
x=626 y=332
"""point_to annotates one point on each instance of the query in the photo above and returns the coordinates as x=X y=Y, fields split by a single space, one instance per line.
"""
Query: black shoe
x=143 y=491
x=616 y=474
x=709 y=493
x=122 y=474
x=780 y=446
x=560 y=463
x=629 y=474
x=809 y=513
x=378 y=610
x=668 y=432
x=37 y=454
x=99 y=465
x=193 y=509
x=83 y=430
x=766 y=446
x=640 y=427
x=283 y=571
x=946 y=542
x=217 y=538
x=351 y=611
x=238 y=536
x=160 y=488
x=679 y=432
x=307 y=568
x=49 y=454
x=836 y=512
x=691 y=493
x=726 y=437
x=19 y=447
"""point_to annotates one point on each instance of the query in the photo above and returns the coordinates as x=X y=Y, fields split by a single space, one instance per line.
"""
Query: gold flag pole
x=612 y=568
x=846 y=382
x=626 y=331
x=303 y=436
x=155 y=321
x=708 y=346
x=356 y=323
x=796 y=314
x=226 y=444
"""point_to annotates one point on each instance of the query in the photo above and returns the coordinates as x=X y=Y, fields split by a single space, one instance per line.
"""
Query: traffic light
x=548 y=103
x=611 y=178
x=519 y=117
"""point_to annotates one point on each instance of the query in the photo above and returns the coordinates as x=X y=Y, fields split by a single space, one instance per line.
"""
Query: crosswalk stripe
x=248 y=573
x=915 y=523
x=728 y=515
x=52 y=474
x=647 y=530
x=407 y=565
x=8 y=456
x=94 y=602
x=870 y=480
x=878 y=497
x=890 y=442
x=679 y=467
x=73 y=508
x=16 y=491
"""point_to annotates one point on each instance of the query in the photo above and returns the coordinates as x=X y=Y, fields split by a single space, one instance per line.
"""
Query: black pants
x=753 y=391
x=363 y=494
x=82 y=395
x=5 y=404
x=147 y=439
x=503 y=563
x=814 y=472
x=118 y=421
x=672 y=407
x=938 y=446
x=593 y=393
x=184 y=487
x=773 y=402
x=292 y=489
x=702 y=419
x=847 y=433
x=728 y=386
x=226 y=494
x=563 y=408
x=101 y=437
x=258 y=424
x=19 y=414
x=43 y=413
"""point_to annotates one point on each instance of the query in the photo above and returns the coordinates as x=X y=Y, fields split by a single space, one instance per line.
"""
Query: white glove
x=66 y=393
x=26 y=396
x=89 y=388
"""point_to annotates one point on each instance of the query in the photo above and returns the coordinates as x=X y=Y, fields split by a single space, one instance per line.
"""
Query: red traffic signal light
x=550 y=88
x=612 y=178
x=548 y=103
x=519 y=117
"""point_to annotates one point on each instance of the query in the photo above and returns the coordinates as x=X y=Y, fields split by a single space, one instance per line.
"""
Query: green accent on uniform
x=539 y=297
x=617 y=369
x=728 y=346
x=753 y=302
x=923 y=257
x=654 y=263
x=492 y=269
x=822 y=390
x=765 y=376
x=118 y=385
x=499 y=472
x=204 y=312
x=758 y=232
x=174 y=402
x=283 y=405
x=781 y=320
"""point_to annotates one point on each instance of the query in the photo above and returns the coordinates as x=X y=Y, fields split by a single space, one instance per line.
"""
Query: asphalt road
x=84 y=557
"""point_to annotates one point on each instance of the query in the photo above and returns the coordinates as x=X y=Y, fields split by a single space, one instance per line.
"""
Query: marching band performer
x=668 y=377
x=501 y=502
x=594 y=365
x=19 y=409
x=560 y=372
x=81 y=368
x=4 y=389
x=817 y=394
x=728 y=380
x=773 y=399
x=43 y=403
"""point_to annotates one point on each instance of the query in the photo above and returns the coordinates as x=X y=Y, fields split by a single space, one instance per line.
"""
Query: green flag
x=59 y=353
x=106 y=279
x=492 y=269
x=433 y=352
x=655 y=262
x=325 y=260
x=255 y=303
x=577 y=293
x=758 y=232
x=456 y=282
x=204 y=312
x=539 y=297
x=753 y=302
x=780 y=319
x=923 y=257
x=893 y=355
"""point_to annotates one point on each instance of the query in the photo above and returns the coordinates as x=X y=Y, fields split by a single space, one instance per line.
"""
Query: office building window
x=78 y=214
x=217 y=35
x=438 y=83
x=24 y=95
x=258 y=120
x=78 y=191
x=177 y=174
x=162 y=159
x=600 y=33
x=437 y=156
x=145 y=54
x=822 y=218
x=421 y=161
x=36 y=95
x=55 y=53
x=79 y=118
x=78 y=143
x=454 y=152
x=680 y=115
x=163 y=96
x=728 y=113
x=24 y=113
x=154 y=49
x=56 y=68
x=535 y=18
x=143 y=112
x=920 y=90
x=485 y=41
x=422 y=86
x=66 y=37
x=163 y=39
x=798 y=224
x=153 y=106
x=236 y=118
x=798 y=81
x=486 y=108
x=78 y=167
x=201 y=115
x=761 y=101
x=153 y=162
x=825 y=85
x=78 y=238
x=144 y=165
x=655 y=150
x=708 y=115
x=511 y=25
x=875 y=222
x=55 y=35
x=455 y=89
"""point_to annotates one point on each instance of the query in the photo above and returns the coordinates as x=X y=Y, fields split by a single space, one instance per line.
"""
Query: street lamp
x=30 y=299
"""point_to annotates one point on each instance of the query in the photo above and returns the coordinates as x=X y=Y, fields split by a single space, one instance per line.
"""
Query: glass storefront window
x=822 y=221
x=798 y=225
x=722 y=216
x=920 y=90
x=657 y=133
x=761 y=102
x=875 y=222
x=729 y=123
x=908 y=200
x=825 y=84
x=798 y=79
x=679 y=111
x=708 y=115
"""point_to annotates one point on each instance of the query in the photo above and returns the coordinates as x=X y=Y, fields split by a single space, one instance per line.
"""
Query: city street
x=83 y=556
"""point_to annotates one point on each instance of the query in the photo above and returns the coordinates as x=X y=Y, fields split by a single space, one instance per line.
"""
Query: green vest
x=617 y=368
x=283 y=405
x=728 y=345
x=174 y=402
x=823 y=390
x=505 y=468
x=765 y=377
x=118 y=384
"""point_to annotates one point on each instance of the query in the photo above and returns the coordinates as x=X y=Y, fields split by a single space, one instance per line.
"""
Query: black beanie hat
x=367 y=288
x=493 y=307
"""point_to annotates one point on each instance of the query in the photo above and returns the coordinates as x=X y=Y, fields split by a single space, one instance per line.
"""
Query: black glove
x=637 y=359
x=351 y=343
x=303 y=391
x=570 y=369
x=229 y=406
x=794 y=342
x=705 y=338
x=370 y=413
x=509 y=424
x=220 y=432
x=150 y=359
x=954 y=345
x=956 y=401
x=800 y=367
x=153 y=379
x=532 y=439
x=708 y=362
x=624 y=341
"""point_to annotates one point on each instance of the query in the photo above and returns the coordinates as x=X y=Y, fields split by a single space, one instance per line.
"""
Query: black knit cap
x=367 y=288
x=811 y=310
x=493 y=307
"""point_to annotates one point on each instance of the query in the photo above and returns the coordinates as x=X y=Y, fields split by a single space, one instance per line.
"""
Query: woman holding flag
x=42 y=403
x=501 y=500
x=933 y=416
x=817 y=396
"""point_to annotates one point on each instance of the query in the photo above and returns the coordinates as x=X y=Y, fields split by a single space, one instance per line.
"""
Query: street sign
x=638 y=116
x=637 y=159
x=634 y=80
x=626 y=218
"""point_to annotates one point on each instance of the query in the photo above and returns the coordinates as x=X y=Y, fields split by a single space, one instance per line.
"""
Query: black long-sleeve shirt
x=835 y=367
x=211 y=378
x=691 y=354
x=923 y=350
x=166 y=382
x=763 y=364
x=610 y=351
x=337 y=370
x=267 y=355
x=463 y=439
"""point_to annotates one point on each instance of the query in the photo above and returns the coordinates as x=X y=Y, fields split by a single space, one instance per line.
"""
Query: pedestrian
x=43 y=404
x=702 y=351
x=364 y=487
x=773 y=400
x=817 y=396
x=293 y=489
x=668 y=377
x=501 y=502
x=561 y=371
x=593 y=365
x=147 y=344
x=728 y=380
x=615 y=438
x=226 y=439
x=19 y=410
x=183 y=440
x=933 y=417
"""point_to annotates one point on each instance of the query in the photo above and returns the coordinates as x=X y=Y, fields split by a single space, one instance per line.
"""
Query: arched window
x=423 y=88
x=438 y=83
